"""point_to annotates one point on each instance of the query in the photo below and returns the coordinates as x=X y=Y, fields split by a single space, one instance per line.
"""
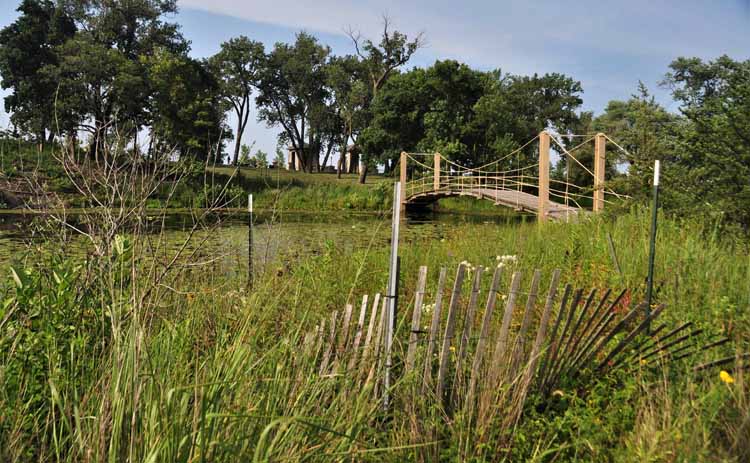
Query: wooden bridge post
x=436 y=181
x=600 y=149
x=402 y=180
x=543 y=176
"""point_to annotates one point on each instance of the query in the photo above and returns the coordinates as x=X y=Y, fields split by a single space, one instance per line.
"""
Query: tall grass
x=199 y=369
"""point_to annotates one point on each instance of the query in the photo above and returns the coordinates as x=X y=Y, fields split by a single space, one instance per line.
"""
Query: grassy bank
x=98 y=364
x=280 y=188
x=21 y=162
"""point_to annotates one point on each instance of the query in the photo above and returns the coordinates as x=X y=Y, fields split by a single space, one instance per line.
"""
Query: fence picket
x=483 y=335
x=416 y=320
x=502 y=341
x=434 y=327
x=519 y=348
x=358 y=335
x=450 y=326
x=331 y=345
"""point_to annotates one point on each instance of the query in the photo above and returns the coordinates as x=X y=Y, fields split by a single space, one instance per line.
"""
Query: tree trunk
x=328 y=154
x=342 y=159
x=150 y=151
x=242 y=116
x=236 y=155
x=363 y=174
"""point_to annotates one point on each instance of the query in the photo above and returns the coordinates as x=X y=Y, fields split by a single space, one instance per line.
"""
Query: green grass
x=271 y=187
x=97 y=366
x=291 y=191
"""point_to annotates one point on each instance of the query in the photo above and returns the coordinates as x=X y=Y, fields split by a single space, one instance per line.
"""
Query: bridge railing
x=470 y=183
x=424 y=174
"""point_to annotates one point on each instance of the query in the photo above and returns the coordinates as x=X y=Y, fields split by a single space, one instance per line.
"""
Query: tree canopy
x=237 y=67
x=27 y=49
x=117 y=69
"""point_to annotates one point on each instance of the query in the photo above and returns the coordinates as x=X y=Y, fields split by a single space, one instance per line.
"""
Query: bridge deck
x=518 y=200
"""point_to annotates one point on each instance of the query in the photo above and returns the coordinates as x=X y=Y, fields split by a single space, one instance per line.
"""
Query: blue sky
x=608 y=46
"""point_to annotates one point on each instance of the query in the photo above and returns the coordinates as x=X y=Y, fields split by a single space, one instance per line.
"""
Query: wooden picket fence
x=470 y=364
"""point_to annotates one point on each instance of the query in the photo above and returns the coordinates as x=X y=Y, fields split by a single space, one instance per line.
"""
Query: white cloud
x=488 y=33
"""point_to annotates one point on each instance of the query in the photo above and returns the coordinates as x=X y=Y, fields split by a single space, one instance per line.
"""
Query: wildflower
x=453 y=348
x=643 y=361
x=726 y=377
x=507 y=259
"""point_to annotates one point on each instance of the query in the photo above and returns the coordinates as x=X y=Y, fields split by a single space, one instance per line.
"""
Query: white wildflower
x=507 y=259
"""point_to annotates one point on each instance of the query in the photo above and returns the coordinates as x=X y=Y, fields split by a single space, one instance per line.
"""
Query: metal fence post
x=392 y=292
x=652 y=246
x=250 y=241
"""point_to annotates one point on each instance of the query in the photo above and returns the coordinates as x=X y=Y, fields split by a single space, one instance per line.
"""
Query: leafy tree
x=101 y=70
x=382 y=60
x=237 y=68
x=261 y=159
x=714 y=97
x=470 y=116
x=453 y=91
x=645 y=131
x=27 y=47
x=244 y=155
x=427 y=110
x=350 y=96
x=187 y=108
x=292 y=94
x=514 y=109
x=98 y=87
x=278 y=160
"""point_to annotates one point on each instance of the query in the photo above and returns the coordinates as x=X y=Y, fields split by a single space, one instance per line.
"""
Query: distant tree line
x=116 y=68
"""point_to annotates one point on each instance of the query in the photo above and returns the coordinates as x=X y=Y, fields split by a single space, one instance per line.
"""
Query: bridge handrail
x=445 y=176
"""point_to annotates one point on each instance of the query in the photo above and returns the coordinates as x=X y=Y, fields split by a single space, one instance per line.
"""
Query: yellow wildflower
x=726 y=377
x=643 y=361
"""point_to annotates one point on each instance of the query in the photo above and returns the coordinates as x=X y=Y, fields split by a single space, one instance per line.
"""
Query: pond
x=224 y=240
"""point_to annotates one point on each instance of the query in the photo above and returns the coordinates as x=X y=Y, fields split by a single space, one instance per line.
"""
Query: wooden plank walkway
x=515 y=199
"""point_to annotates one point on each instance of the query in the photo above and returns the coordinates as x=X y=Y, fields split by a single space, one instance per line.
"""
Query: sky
x=607 y=45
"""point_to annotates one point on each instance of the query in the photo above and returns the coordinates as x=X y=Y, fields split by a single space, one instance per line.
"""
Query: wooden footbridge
x=425 y=178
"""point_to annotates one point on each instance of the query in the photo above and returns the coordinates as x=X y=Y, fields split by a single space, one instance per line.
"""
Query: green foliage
x=279 y=160
x=101 y=74
x=244 y=156
x=27 y=48
x=714 y=155
x=187 y=109
x=261 y=159
x=223 y=360
x=52 y=327
x=292 y=94
x=350 y=96
x=237 y=67
x=470 y=116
